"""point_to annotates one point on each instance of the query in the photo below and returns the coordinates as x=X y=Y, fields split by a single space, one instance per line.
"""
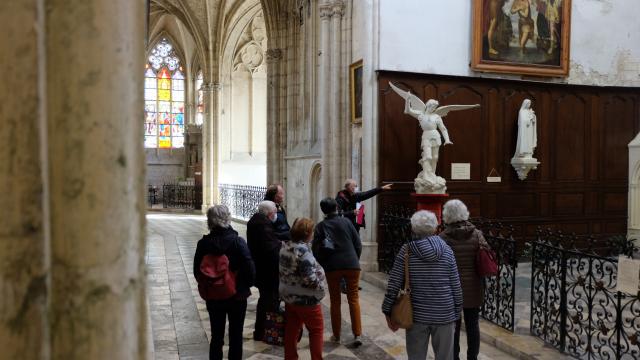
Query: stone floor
x=180 y=322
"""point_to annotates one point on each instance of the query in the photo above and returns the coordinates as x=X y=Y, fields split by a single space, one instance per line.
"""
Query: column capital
x=212 y=86
x=337 y=8
x=326 y=10
x=274 y=55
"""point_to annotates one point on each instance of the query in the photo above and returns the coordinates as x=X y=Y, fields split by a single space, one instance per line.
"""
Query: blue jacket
x=436 y=294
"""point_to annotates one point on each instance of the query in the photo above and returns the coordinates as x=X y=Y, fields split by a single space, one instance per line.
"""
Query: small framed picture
x=529 y=37
x=355 y=71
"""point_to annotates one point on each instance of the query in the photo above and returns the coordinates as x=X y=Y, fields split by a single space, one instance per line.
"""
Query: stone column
x=274 y=173
x=24 y=281
x=95 y=62
x=210 y=153
x=337 y=146
x=323 y=98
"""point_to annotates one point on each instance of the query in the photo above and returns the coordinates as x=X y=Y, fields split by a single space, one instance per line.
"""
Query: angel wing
x=444 y=110
x=415 y=103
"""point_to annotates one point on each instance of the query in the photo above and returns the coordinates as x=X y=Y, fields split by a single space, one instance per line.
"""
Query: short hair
x=272 y=190
x=423 y=223
x=348 y=181
x=301 y=230
x=267 y=206
x=218 y=216
x=454 y=211
x=328 y=205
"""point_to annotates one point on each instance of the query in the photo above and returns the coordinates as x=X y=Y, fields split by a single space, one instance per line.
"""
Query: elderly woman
x=465 y=240
x=436 y=295
x=301 y=288
x=223 y=240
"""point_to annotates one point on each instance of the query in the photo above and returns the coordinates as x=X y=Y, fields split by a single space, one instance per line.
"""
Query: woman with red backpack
x=225 y=272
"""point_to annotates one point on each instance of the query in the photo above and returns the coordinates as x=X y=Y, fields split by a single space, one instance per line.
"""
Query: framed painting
x=528 y=37
x=355 y=75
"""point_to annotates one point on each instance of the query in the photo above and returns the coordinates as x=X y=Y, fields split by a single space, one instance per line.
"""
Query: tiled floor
x=180 y=322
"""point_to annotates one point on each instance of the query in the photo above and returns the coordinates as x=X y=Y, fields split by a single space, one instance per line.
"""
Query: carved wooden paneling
x=583 y=132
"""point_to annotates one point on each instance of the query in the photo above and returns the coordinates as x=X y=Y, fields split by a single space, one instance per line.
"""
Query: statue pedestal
x=431 y=202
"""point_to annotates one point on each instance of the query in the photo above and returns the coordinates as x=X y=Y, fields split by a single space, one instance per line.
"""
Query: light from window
x=164 y=99
x=200 y=99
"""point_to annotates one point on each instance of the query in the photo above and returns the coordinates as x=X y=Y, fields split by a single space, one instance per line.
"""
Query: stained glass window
x=164 y=99
x=199 y=99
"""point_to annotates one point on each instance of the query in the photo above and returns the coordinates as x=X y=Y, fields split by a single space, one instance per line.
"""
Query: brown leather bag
x=402 y=310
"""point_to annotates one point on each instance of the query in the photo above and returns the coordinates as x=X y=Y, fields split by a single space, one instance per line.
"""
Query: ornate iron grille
x=396 y=230
x=499 y=295
x=241 y=200
x=574 y=305
x=181 y=196
x=498 y=305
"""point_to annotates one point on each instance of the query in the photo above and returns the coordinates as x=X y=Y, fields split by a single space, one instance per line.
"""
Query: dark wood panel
x=570 y=142
x=569 y=204
x=583 y=132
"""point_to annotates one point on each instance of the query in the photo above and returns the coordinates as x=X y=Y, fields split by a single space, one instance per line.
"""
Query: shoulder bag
x=402 y=310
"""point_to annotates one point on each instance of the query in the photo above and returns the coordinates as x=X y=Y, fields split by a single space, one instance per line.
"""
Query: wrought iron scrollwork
x=574 y=304
x=181 y=196
x=498 y=306
x=241 y=200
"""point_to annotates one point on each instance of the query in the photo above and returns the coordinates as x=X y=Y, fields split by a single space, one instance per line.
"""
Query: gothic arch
x=315 y=191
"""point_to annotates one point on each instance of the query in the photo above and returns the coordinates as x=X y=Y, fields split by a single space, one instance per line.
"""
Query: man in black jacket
x=275 y=193
x=264 y=245
x=223 y=240
x=348 y=198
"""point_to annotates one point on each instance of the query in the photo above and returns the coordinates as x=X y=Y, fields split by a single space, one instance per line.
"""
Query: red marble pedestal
x=431 y=202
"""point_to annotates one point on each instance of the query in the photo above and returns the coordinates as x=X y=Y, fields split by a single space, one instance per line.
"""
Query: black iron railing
x=152 y=195
x=395 y=230
x=498 y=305
x=181 y=196
x=241 y=200
x=499 y=295
x=574 y=305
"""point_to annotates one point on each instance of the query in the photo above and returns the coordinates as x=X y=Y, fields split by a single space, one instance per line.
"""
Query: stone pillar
x=210 y=153
x=633 y=222
x=274 y=148
x=95 y=61
x=24 y=281
x=323 y=98
x=337 y=147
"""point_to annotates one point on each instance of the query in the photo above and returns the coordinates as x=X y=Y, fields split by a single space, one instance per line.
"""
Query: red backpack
x=217 y=281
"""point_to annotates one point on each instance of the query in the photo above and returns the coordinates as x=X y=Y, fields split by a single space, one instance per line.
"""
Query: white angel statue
x=430 y=117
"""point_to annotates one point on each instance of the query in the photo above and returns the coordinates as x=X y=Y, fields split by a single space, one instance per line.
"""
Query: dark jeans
x=219 y=310
x=268 y=301
x=472 y=326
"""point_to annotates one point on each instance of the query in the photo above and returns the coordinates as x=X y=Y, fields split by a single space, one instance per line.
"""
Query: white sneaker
x=357 y=341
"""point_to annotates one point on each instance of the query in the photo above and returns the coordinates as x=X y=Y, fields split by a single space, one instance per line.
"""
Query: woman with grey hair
x=465 y=241
x=223 y=240
x=436 y=296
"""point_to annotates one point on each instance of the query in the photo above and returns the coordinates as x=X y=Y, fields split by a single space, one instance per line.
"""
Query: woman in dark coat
x=465 y=241
x=223 y=240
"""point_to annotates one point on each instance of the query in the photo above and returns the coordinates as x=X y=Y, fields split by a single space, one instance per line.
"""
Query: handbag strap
x=406 y=269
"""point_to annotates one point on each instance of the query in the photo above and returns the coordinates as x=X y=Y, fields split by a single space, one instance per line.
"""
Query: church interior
x=127 y=119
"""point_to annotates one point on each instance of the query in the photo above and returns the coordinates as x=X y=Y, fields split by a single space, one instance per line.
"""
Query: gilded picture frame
x=355 y=91
x=529 y=37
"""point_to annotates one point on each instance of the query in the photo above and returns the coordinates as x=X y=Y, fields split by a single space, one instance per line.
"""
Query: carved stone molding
x=325 y=11
x=212 y=86
x=337 y=8
x=274 y=55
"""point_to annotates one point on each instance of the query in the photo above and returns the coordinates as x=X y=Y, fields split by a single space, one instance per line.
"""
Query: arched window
x=164 y=99
x=199 y=99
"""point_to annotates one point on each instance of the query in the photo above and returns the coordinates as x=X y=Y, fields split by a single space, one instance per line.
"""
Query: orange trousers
x=352 y=278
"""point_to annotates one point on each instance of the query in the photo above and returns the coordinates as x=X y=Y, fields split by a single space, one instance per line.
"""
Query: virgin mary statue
x=523 y=160
x=527 y=137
